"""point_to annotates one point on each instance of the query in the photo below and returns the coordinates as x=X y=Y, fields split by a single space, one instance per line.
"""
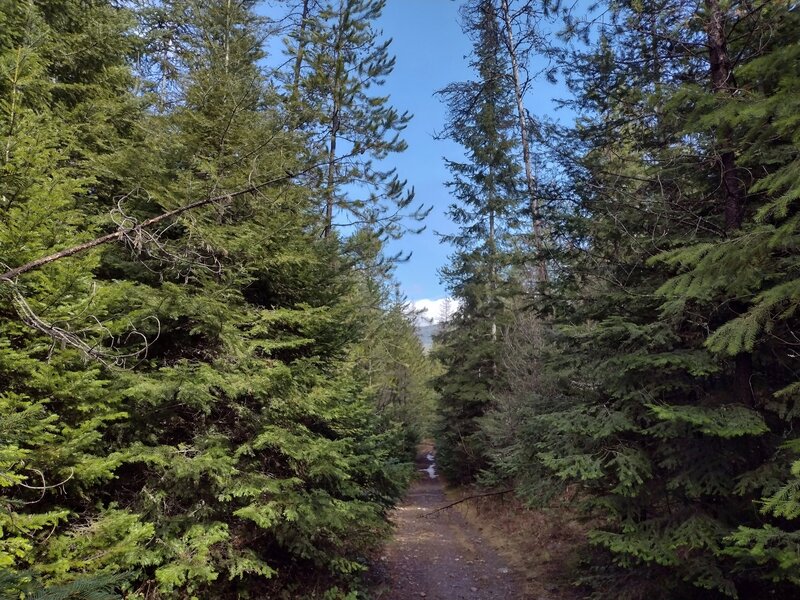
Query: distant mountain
x=425 y=334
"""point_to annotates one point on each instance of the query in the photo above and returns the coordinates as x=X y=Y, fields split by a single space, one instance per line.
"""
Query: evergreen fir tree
x=397 y=370
x=675 y=427
x=339 y=60
x=239 y=451
x=481 y=274
x=66 y=117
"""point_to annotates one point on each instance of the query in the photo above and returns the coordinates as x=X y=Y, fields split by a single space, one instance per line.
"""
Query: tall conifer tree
x=481 y=274
x=681 y=410
x=338 y=62
x=238 y=452
x=68 y=120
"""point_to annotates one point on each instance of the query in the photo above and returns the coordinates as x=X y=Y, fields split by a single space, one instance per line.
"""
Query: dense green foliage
x=660 y=372
x=222 y=403
x=205 y=410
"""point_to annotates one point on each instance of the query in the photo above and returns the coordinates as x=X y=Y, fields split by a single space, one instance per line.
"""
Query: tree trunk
x=734 y=192
x=301 y=47
x=492 y=279
x=227 y=37
x=722 y=82
x=331 y=182
x=344 y=17
x=541 y=269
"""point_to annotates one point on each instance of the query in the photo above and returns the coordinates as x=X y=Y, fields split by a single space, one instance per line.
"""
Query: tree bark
x=301 y=46
x=722 y=82
x=493 y=282
x=734 y=192
x=331 y=182
x=541 y=268
x=344 y=17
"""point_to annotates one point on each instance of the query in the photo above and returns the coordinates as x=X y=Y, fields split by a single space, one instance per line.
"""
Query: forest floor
x=490 y=550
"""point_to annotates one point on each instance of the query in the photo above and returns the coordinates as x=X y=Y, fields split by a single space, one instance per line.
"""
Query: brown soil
x=541 y=545
x=441 y=556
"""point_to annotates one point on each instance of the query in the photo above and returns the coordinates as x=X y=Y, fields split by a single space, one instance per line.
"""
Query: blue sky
x=431 y=52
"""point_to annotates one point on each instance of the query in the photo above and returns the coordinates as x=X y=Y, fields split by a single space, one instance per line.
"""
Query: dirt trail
x=441 y=557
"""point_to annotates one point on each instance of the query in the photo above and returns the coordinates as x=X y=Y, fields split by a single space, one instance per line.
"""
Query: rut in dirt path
x=441 y=557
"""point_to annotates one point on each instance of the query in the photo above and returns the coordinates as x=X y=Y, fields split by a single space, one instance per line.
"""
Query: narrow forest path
x=440 y=557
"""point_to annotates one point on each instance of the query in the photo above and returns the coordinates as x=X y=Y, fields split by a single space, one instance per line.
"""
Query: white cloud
x=434 y=310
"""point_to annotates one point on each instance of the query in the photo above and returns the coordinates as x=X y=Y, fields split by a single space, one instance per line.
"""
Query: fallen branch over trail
x=445 y=507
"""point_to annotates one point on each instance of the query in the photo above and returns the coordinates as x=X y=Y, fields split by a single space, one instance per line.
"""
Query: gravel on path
x=441 y=557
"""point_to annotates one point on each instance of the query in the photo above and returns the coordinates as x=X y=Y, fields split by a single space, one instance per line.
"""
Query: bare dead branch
x=43 y=488
x=134 y=230
x=446 y=506
x=75 y=339
x=101 y=342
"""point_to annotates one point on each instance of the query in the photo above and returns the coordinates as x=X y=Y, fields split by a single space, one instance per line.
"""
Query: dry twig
x=446 y=506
